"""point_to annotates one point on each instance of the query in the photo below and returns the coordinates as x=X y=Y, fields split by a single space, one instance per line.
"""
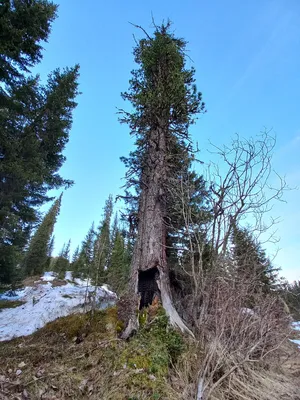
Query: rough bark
x=150 y=247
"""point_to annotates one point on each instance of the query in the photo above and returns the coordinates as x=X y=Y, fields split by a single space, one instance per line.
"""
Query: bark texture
x=165 y=100
x=150 y=246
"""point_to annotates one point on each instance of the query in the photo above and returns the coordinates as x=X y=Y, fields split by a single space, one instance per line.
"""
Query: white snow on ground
x=48 y=276
x=12 y=295
x=68 y=276
x=45 y=303
x=296 y=341
x=296 y=326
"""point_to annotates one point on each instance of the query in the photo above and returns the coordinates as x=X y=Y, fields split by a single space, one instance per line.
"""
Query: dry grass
x=33 y=281
x=238 y=355
x=79 y=357
x=241 y=354
x=58 y=282
x=10 y=304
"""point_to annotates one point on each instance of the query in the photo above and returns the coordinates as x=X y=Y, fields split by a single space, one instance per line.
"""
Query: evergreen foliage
x=24 y=25
x=36 y=257
x=62 y=262
x=75 y=254
x=251 y=262
x=102 y=245
x=163 y=94
x=166 y=199
x=35 y=121
x=119 y=269
x=78 y=266
x=83 y=261
x=51 y=246
x=291 y=294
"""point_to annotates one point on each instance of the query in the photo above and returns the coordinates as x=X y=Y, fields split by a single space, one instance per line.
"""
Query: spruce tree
x=291 y=294
x=62 y=262
x=24 y=25
x=119 y=269
x=35 y=121
x=51 y=246
x=251 y=263
x=79 y=266
x=75 y=254
x=165 y=101
x=102 y=246
x=36 y=257
x=85 y=261
x=49 y=253
x=66 y=253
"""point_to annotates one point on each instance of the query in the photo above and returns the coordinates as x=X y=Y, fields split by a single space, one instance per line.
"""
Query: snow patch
x=68 y=276
x=295 y=341
x=45 y=303
x=48 y=276
x=296 y=325
x=13 y=294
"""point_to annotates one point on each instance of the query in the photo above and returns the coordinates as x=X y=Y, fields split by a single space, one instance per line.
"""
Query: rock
x=83 y=384
x=40 y=373
x=22 y=364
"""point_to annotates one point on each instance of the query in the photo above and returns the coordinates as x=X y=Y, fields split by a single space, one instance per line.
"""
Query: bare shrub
x=238 y=351
x=241 y=327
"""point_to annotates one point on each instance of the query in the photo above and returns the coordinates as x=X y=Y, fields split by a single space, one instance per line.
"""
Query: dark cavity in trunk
x=147 y=286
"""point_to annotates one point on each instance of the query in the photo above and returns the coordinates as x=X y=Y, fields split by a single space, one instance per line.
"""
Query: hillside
x=80 y=356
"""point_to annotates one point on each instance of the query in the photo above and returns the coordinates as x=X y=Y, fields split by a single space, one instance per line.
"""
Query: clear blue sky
x=247 y=57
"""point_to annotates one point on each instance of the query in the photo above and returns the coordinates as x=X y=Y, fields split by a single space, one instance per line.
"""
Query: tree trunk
x=150 y=247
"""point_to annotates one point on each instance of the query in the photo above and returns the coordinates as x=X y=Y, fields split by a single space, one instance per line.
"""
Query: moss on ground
x=81 y=356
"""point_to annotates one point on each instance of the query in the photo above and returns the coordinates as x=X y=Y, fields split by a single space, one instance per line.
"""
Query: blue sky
x=247 y=58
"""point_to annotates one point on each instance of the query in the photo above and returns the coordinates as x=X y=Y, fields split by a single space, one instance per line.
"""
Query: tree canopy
x=35 y=122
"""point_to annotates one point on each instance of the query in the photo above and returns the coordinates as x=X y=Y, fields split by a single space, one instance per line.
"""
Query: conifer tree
x=119 y=269
x=49 y=253
x=35 y=121
x=62 y=262
x=74 y=263
x=291 y=294
x=36 y=257
x=56 y=265
x=51 y=246
x=24 y=25
x=66 y=253
x=113 y=232
x=251 y=262
x=79 y=266
x=102 y=247
x=75 y=254
x=165 y=101
x=85 y=260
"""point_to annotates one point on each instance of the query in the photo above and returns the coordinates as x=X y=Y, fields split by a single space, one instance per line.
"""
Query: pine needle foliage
x=35 y=121
x=36 y=257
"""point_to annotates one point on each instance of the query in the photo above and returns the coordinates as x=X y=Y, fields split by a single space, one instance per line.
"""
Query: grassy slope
x=81 y=357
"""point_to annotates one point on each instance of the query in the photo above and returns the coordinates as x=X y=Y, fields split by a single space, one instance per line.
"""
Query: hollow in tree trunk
x=165 y=102
x=149 y=269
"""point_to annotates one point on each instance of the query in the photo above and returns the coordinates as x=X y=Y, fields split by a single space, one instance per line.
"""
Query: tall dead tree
x=165 y=102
